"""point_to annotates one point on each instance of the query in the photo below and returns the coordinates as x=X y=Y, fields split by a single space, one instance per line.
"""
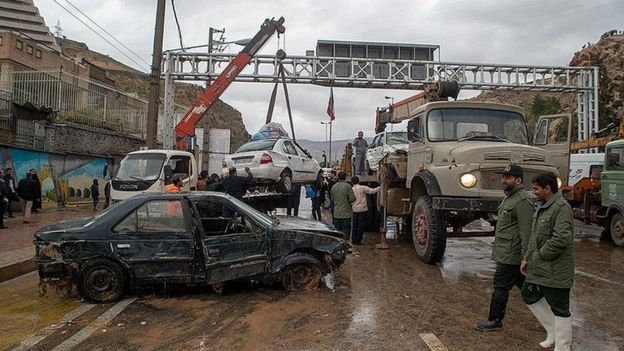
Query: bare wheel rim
x=100 y=280
x=302 y=276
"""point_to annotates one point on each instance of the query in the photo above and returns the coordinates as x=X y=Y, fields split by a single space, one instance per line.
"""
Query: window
x=38 y=53
x=450 y=124
x=258 y=145
x=19 y=45
x=289 y=148
x=29 y=49
x=160 y=216
x=540 y=135
x=553 y=130
x=614 y=159
x=180 y=165
x=221 y=219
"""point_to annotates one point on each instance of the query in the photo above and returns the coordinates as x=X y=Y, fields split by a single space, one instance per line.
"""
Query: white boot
x=541 y=311
x=563 y=333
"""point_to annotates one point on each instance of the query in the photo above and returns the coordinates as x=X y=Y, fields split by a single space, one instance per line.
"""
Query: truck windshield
x=476 y=124
x=258 y=145
x=140 y=167
x=394 y=138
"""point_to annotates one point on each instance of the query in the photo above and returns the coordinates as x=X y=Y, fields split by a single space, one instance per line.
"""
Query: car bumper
x=465 y=204
x=260 y=173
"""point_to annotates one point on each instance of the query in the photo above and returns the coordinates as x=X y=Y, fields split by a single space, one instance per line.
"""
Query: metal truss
x=397 y=74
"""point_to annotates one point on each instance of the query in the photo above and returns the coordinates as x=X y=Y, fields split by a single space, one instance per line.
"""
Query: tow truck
x=449 y=178
x=151 y=170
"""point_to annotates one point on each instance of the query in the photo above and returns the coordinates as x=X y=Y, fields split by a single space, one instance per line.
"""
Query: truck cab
x=455 y=151
x=151 y=171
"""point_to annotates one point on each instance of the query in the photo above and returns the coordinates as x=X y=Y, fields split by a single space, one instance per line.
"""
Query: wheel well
x=124 y=268
x=319 y=255
x=287 y=170
x=418 y=189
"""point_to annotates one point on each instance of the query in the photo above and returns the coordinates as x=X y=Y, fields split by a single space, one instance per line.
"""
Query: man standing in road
x=360 y=208
x=294 y=200
x=4 y=191
x=234 y=185
x=343 y=197
x=26 y=190
x=549 y=264
x=37 y=202
x=360 y=145
x=12 y=194
x=513 y=232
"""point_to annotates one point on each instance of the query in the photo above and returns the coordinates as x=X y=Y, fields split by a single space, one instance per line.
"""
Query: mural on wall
x=64 y=178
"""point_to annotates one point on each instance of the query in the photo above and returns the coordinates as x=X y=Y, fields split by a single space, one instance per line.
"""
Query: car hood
x=307 y=225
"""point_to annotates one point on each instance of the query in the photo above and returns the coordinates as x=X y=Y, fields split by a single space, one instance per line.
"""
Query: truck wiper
x=470 y=137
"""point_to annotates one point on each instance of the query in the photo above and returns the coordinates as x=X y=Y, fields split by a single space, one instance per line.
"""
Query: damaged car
x=199 y=238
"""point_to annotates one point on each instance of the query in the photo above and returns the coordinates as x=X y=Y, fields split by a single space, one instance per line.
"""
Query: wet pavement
x=384 y=300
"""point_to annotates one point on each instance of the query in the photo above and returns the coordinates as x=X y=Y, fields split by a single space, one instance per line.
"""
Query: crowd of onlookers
x=27 y=191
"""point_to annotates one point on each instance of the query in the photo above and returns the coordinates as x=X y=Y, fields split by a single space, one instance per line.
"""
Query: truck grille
x=507 y=156
x=497 y=156
x=492 y=181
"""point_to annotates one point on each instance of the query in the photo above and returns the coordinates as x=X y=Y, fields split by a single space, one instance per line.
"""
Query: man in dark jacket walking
x=95 y=193
x=12 y=193
x=4 y=191
x=549 y=264
x=37 y=200
x=513 y=231
x=26 y=190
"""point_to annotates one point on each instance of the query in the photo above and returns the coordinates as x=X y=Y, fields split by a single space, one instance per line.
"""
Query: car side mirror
x=168 y=171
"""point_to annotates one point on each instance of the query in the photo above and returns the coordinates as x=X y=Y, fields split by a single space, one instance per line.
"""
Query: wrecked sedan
x=199 y=238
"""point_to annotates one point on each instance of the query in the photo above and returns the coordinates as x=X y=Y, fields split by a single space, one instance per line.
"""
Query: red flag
x=330 y=105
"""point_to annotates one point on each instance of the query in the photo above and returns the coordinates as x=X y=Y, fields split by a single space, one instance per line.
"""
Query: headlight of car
x=559 y=183
x=468 y=180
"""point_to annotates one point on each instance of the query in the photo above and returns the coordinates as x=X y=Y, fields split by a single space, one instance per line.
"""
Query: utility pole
x=154 y=93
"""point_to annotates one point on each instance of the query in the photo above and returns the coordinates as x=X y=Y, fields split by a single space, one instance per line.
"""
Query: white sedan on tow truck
x=274 y=161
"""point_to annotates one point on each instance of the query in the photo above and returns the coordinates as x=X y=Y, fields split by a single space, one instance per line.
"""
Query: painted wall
x=64 y=177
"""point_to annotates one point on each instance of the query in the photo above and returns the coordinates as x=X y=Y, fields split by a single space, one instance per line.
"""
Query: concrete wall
x=72 y=138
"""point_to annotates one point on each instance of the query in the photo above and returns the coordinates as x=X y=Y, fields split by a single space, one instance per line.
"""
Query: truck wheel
x=284 y=184
x=617 y=229
x=101 y=280
x=428 y=231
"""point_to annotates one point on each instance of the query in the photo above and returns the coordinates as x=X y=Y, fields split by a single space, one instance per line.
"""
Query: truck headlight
x=559 y=183
x=468 y=180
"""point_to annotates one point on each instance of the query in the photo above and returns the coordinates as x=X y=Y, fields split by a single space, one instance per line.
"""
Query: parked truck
x=449 y=177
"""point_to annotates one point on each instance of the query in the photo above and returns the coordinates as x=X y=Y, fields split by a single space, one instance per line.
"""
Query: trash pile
x=272 y=130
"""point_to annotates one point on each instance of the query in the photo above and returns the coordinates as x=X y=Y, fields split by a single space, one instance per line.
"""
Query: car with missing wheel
x=279 y=162
x=198 y=238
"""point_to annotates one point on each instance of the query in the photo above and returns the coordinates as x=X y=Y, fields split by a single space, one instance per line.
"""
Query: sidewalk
x=16 y=242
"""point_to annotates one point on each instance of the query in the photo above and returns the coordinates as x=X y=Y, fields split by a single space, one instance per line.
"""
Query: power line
x=105 y=31
x=98 y=34
x=175 y=15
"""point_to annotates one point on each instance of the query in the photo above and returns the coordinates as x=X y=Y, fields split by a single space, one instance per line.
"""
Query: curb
x=16 y=269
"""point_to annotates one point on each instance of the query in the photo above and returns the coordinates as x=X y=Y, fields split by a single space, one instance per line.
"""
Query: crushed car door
x=553 y=133
x=156 y=241
x=235 y=246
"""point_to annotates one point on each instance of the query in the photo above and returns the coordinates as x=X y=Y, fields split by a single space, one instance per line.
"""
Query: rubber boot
x=495 y=317
x=541 y=310
x=563 y=333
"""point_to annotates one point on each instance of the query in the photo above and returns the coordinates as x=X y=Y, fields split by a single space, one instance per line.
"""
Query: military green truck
x=600 y=197
x=448 y=178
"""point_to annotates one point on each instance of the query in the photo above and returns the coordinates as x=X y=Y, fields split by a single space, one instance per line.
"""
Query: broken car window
x=161 y=216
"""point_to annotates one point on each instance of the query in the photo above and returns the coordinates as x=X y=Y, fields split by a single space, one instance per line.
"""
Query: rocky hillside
x=607 y=54
x=126 y=78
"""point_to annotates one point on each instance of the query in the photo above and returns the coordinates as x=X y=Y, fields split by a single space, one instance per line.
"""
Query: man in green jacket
x=343 y=197
x=549 y=264
x=513 y=231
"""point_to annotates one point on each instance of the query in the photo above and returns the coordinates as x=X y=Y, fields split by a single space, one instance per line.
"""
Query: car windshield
x=140 y=167
x=258 y=145
x=452 y=124
x=394 y=138
x=101 y=214
x=252 y=212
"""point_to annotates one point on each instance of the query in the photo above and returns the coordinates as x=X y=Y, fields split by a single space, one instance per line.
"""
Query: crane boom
x=186 y=127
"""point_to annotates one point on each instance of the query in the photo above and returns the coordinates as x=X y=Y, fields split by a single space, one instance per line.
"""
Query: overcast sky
x=531 y=32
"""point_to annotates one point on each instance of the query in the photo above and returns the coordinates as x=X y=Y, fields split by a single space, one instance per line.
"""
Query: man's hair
x=232 y=170
x=176 y=180
x=342 y=176
x=547 y=179
x=355 y=180
x=333 y=171
x=214 y=176
x=203 y=174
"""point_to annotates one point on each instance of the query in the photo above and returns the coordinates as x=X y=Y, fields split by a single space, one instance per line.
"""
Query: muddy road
x=384 y=300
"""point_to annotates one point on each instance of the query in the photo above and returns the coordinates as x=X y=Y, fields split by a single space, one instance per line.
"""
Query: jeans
x=293 y=205
x=95 y=202
x=316 y=208
x=359 y=220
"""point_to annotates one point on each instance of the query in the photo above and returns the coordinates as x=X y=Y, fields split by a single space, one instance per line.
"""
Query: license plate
x=239 y=161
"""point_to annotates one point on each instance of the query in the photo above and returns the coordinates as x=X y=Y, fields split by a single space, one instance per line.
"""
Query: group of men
x=233 y=184
x=534 y=251
x=27 y=191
